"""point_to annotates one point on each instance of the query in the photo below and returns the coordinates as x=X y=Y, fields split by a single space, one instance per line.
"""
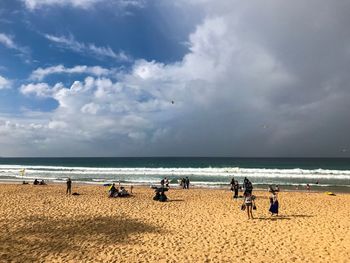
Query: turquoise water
x=289 y=173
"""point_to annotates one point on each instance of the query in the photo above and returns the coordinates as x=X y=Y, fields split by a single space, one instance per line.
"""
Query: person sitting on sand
x=112 y=190
x=249 y=203
x=42 y=182
x=123 y=192
x=36 y=182
x=273 y=203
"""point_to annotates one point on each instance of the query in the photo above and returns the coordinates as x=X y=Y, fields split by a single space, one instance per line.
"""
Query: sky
x=174 y=78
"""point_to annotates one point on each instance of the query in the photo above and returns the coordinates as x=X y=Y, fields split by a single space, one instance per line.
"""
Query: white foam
x=60 y=171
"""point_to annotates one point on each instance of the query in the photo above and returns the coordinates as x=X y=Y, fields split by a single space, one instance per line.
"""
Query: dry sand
x=42 y=224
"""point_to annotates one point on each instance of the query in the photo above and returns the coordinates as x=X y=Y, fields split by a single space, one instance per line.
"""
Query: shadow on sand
x=176 y=200
x=283 y=217
x=42 y=236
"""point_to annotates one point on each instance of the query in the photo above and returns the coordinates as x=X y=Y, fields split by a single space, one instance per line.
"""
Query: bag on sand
x=243 y=207
x=254 y=207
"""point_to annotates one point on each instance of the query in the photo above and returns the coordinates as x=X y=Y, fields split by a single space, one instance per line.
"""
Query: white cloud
x=84 y=4
x=7 y=41
x=4 y=83
x=41 y=73
x=38 y=89
x=243 y=71
x=86 y=49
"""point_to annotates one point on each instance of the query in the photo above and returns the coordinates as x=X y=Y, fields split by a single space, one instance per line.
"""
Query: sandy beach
x=42 y=224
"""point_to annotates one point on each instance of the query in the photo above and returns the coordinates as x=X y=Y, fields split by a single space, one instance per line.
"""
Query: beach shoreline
x=340 y=190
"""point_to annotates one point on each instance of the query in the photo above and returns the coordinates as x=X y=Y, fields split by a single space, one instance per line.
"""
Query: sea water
x=289 y=173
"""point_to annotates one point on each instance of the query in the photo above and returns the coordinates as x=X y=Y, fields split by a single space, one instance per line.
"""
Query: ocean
x=329 y=174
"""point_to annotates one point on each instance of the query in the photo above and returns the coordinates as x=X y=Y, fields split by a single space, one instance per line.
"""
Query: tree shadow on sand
x=42 y=236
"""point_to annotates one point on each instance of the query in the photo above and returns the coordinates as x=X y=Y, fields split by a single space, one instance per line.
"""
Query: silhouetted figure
x=187 y=182
x=232 y=184
x=69 y=186
x=160 y=195
x=162 y=183
x=183 y=183
x=112 y=190
x=235 y=189
x=248 y=188
x=36 y=182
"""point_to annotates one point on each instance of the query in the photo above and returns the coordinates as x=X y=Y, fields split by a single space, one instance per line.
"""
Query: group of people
x=36 y=182
x=160 y=194
x=118 y=192
x=249 y=198
x=164 y=182
x=185 y=183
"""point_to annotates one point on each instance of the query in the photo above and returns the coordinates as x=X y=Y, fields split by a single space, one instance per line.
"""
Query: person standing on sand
x=232 y=183
x=308 y=187
x=187 y=183
x=273 y=203
x=69 y=186
x=183 y=182
x=235 y=188
x=249 y=203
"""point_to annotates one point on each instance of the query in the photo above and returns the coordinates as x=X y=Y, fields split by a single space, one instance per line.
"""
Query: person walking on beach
x=273 y=203
x=69 y=186
x=232 y=184
x=249 y=204
x=235 y=189
x=187 y=183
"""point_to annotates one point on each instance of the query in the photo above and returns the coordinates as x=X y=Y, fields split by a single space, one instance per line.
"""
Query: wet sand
x=42 y=224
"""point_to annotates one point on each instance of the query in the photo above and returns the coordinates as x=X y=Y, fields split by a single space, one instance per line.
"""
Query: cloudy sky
x=175 y=78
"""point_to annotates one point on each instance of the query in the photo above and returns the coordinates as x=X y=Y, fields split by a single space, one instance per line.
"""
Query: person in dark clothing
x=112 y=191
x=69 y=186
x=187 y=183
x=162 y=182
x=245 y=182
x=36 y=182
x=235 y=188
x=248 y=188
x=183 y=182
x=232 y=184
